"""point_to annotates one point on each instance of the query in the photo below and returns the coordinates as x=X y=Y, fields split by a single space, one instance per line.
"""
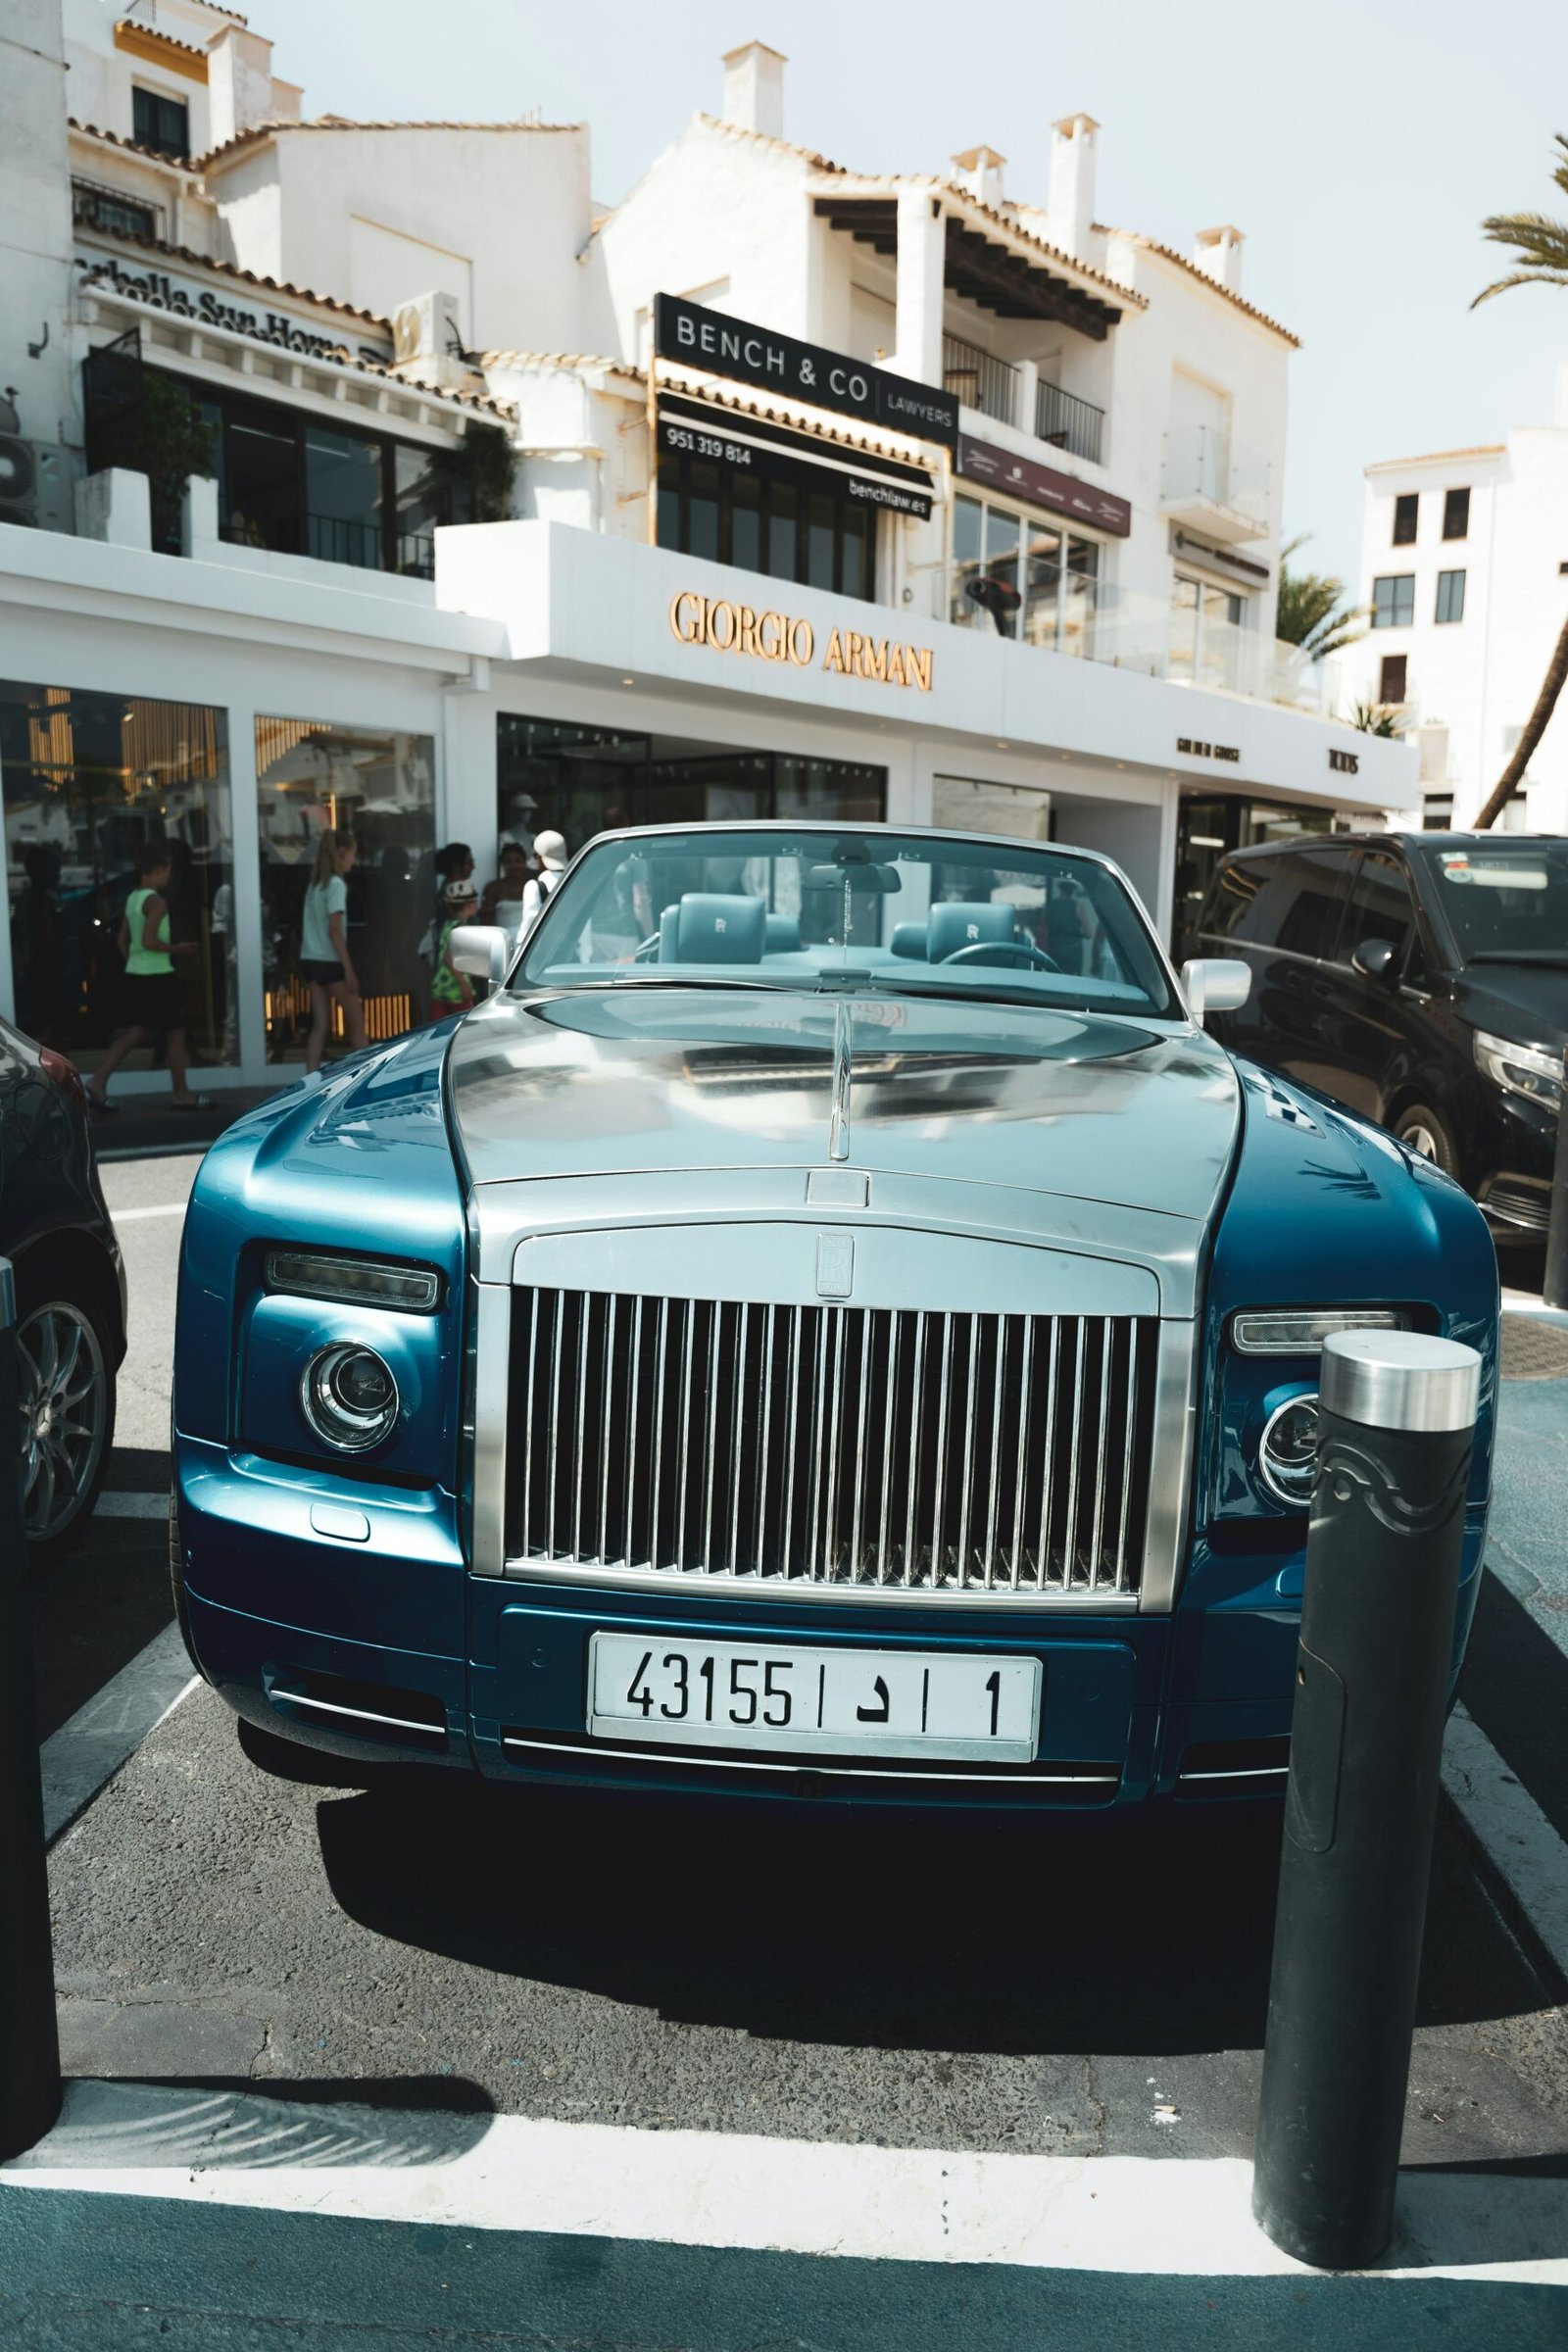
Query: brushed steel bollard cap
x=1400 y=1380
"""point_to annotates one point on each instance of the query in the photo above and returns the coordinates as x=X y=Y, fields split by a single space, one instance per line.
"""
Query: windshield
x=1505 y=905
x=836 y=907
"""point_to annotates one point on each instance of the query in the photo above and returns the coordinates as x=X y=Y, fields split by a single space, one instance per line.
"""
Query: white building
x=876 y=496
x=1464 y=564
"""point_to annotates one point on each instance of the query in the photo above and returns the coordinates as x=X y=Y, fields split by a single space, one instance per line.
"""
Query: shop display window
x=89 y=779
x=807 y=528
x=378 y=785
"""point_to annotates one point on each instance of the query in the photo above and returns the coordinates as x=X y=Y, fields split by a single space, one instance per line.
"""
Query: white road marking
x=131 y=1507
x=165 y=1208
x=90 y=1749
x=719 y=2188
x=1517 y=1835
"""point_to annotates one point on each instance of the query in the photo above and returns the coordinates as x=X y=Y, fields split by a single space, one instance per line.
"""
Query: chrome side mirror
x=1215 y=984
x=482 y=949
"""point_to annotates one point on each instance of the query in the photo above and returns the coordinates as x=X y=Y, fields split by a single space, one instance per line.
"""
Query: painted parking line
x=131 y=1507
x=1519 y=1839
x=1112 y=2214
x=88 y=1750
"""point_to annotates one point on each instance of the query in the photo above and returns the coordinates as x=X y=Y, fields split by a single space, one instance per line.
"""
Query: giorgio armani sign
x=828 y=379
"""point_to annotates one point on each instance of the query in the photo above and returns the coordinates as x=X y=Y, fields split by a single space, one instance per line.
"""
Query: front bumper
x=385 y=1649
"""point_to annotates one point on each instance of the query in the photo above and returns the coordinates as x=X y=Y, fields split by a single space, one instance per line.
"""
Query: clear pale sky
x=1357 y=146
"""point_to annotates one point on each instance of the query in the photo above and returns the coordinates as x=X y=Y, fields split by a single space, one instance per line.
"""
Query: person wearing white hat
x=551 y=851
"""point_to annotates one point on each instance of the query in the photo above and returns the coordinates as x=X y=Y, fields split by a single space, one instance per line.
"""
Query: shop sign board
x=184 y=297
x=748 y=354
x=1043 y=486
x=744 y=456
x=773 y=636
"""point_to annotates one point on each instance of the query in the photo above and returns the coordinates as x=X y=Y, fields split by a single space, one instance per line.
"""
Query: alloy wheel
x=64 y=1410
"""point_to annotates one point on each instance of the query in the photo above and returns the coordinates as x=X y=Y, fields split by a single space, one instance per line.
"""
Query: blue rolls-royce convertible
x=830 y=1325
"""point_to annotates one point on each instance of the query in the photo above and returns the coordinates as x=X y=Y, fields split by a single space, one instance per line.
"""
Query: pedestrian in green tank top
x=150 y=988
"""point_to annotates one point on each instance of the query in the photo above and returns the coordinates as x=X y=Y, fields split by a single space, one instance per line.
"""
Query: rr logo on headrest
x=971 y=930
x=720 y=922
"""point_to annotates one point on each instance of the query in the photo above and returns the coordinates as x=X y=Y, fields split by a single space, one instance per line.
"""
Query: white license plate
x=844 y=1703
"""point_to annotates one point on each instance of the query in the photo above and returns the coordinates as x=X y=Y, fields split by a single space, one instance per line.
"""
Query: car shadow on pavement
x=1007 y=1937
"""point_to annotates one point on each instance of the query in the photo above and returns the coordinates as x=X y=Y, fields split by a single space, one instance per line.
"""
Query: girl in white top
x=324 y=960
x=551 y=851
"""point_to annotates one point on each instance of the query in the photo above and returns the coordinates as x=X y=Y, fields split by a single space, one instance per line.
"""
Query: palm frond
x=1540 y=243
x=1521 y=277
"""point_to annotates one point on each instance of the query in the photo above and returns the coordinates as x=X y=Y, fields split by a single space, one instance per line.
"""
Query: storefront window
x=379 y=786
x=554 y=775
x=88 y=781
x=343 y=498
x=1044 y=582
x=285 y=481
x=807 y=528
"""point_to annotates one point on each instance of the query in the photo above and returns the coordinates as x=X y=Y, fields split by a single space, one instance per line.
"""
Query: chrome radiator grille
x=825 y=1447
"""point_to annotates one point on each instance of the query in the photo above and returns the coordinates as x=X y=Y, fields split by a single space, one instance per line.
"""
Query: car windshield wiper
x=954 y=993
x=1554 y=958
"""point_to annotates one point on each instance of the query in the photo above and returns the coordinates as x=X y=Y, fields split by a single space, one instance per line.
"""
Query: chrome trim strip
x=616 y=1577
x=1170 y=1469
x=845 y=1765
x=329 y=1706
x=1248 y=1772
x=492 y=1343
x=838 y=1131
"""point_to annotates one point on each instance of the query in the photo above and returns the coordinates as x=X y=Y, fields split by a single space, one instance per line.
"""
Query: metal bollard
x=30 y=2044
x=1555 y=1289
x=1376 y=1652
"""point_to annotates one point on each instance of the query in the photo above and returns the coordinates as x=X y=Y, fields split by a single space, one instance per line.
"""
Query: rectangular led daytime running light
x=1302 y=1331
x=353 y=1281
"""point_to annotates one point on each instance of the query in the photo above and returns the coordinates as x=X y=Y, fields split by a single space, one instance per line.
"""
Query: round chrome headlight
x=1287 y=1452
x=349 y=1398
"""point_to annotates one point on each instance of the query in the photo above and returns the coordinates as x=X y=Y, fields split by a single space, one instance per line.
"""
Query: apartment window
x=1039 y=582
x=1392 y=677
x=1406 y=518
x=1451 y=596
x=106 y=207
x=1456 y=514
x=793 y=522
x=1393 y=600
x=160 y=122
x=1436 y=812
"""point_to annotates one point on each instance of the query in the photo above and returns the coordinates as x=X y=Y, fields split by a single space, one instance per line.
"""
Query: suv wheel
x=66 y=1384
x=1427 y=1132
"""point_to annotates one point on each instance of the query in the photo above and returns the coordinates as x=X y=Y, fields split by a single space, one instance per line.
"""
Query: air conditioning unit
x=425 y=328
x=37 y=483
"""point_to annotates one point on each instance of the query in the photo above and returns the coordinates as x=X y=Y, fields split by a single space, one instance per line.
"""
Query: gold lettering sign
x=771 y=636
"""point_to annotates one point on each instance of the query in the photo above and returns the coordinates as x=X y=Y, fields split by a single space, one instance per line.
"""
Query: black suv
x=1421 y=979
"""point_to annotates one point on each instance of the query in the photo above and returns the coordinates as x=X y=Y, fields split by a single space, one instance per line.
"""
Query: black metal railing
x=337 y=539
x=979 y=382
x=1068 y=422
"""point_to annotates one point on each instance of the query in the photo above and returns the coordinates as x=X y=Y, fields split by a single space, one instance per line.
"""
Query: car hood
x=1527 y=1004
x=600 y=1082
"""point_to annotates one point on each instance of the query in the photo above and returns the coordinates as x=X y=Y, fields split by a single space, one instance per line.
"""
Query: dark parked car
x=70 y=1287
x=1421 y=979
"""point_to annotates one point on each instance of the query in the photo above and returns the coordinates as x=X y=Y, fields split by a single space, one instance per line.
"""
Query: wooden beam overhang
x=979 y=269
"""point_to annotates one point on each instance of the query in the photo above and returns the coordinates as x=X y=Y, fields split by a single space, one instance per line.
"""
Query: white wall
x=35 y=221
x=510 y=206
x=1477 y=679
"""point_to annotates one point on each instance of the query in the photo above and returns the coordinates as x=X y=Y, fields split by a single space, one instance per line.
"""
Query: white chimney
x=1070 y=207
x=979 y=169
x=754 y=89
x=239 y=82
x=1218 y=253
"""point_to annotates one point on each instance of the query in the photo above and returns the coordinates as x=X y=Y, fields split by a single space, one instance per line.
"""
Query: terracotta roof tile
x=762 y=138
x=266 y=130
x=156 y=34
x=1167 y=254
x=272 y=285
x=91 y=130
x=573 y=360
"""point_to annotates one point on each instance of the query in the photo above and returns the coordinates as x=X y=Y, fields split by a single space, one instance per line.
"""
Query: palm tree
x=1310 y=616
x=1542 y=248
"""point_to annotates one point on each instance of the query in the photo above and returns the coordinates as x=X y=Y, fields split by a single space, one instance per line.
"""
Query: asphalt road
x=418 y=1942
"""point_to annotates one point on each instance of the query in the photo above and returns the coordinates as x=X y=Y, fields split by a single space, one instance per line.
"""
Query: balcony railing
x=979 y=382
x=1068 y=422
x=1209 y=479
